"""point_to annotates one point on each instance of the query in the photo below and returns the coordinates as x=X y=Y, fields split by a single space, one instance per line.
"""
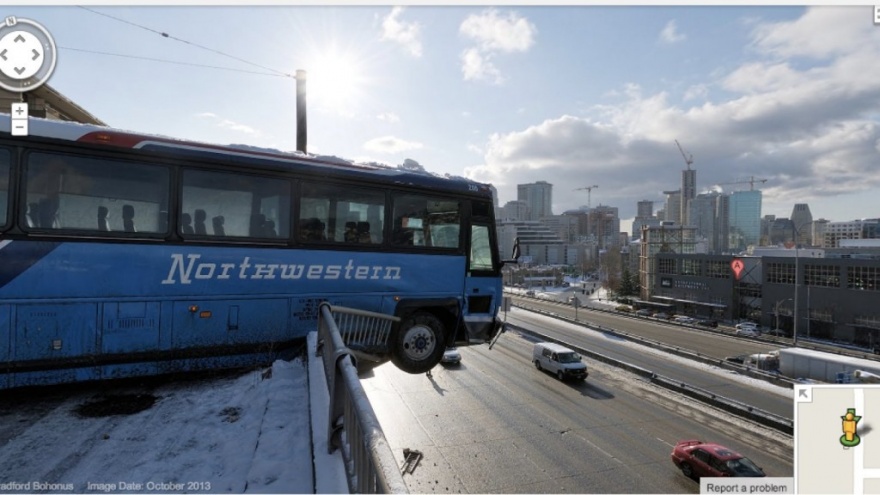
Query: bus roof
x=239 y=153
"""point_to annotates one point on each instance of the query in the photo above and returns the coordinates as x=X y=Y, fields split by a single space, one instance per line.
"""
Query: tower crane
x=589 y=190
x=750 y=182
x=688 y=158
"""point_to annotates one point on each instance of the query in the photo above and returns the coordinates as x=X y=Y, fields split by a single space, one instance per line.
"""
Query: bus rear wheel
x=419 y=343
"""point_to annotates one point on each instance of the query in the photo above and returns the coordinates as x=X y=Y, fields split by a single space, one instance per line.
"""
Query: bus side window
x=240 y=205
x=426 y=221
x=353 y=215
x=66 y=192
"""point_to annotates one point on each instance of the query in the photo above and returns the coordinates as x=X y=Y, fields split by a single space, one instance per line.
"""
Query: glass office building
x=745 y=219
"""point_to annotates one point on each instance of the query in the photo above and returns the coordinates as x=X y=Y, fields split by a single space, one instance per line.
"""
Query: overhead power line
x=166 y=35
x=171 y=61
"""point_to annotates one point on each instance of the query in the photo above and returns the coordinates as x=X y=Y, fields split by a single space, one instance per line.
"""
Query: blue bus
x=129 y=255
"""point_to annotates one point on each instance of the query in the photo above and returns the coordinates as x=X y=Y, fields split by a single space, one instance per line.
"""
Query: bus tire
x=419 y=343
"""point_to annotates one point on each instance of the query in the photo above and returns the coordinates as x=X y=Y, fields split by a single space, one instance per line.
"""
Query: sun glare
x=334 y=80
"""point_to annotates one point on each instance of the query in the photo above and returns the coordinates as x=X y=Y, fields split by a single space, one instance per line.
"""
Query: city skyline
x=509 y=95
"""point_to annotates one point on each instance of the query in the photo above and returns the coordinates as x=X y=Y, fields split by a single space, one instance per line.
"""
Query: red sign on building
x=737 y=266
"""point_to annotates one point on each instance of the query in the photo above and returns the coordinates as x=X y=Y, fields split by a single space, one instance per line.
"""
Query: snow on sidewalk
x=237 y=434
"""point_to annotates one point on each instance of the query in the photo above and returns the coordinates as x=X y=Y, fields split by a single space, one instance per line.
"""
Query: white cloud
x=478 y=66
x=229 y=124
x=811 y=130
x=496 y=32
x=390 y=144
x=407 y=34
x=388 y=117
x=670 y=33
x=696 y=92
x=821 y=32
x=804 y=117
x=757 y=77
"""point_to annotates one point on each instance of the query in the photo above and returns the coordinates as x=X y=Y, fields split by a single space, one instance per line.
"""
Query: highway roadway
x=700 y=340
x=763 y=395
x=497 y=424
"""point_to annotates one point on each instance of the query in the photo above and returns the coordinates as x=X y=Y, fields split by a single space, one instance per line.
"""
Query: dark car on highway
x=708 y=323
x=696 y=458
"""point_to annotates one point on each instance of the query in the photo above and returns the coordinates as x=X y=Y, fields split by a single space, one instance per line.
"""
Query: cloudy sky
x=575 y=96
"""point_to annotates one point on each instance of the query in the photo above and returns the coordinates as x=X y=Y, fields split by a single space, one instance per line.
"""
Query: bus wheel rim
x=418 y=342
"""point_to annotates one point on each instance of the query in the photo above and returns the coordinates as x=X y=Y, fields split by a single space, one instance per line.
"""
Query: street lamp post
x=776 y=312
x=797 y=273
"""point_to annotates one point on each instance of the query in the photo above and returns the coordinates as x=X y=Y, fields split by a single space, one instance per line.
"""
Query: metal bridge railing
x=353 y=425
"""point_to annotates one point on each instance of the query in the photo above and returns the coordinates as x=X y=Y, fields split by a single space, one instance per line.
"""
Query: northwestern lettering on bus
x=184 y=272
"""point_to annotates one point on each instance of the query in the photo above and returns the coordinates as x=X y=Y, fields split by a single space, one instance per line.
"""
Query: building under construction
x=665 y=238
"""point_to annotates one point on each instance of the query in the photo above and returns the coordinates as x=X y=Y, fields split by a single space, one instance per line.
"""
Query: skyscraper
x=673 y=206
x=688 y=192
x=708 y=213
x=745 y=219
x=645 y=209
x=802 y=220
x=538 y=196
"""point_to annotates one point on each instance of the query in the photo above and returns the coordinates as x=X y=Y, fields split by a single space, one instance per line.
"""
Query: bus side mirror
x=514 y=255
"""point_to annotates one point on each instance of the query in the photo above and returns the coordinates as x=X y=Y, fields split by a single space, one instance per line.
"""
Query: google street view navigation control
x=27 y=59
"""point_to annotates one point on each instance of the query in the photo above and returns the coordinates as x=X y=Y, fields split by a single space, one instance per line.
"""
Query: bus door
x=482 y=285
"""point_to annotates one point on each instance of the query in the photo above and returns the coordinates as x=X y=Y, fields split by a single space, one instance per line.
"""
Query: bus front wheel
x=419 y=343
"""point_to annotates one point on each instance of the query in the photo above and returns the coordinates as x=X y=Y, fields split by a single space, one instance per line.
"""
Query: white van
x=559 y=360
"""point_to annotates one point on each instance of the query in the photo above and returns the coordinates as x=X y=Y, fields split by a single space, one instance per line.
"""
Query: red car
x=696 y=458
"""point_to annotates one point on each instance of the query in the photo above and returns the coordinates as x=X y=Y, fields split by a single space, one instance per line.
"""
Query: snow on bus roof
x=75 y=131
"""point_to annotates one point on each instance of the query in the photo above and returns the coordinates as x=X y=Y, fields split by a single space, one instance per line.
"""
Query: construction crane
x=688 y=158
x=589 y=191
x=750 y=182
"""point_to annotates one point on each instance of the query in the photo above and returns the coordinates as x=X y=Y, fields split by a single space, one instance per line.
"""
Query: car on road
x=684 y=320
x=748 y=332
x=776 y=332
x=530 y=293
x=661 y=316
x=451 y=356
x=696 y=459
x=644 y=312
x=707 y=323
x=559 y=360
x=623 y=308
x=747 y=324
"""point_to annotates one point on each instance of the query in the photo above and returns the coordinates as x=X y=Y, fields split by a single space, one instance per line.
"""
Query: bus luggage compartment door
x=55 y=331
x=210 y=323
x=130 y=327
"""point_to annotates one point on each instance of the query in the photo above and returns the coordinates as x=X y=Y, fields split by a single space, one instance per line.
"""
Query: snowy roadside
x=247 y=433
